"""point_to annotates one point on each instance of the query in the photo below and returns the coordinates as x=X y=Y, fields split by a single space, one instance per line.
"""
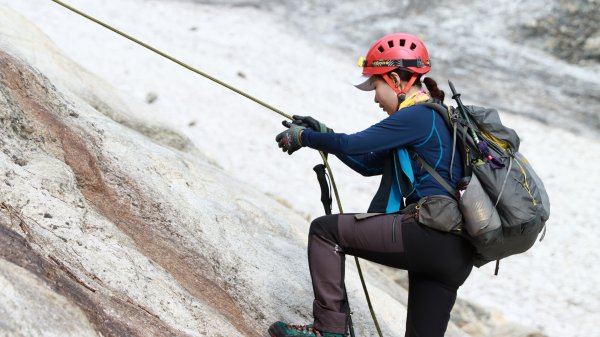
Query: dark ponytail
x=433 y=89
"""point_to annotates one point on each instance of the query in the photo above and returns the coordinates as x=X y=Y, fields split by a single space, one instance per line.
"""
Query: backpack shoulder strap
x=442 y=110
x=452 y=120
x=431 y=171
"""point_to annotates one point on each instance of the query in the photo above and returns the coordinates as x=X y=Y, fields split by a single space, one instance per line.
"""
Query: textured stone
x=570 y=30
x=30 y=308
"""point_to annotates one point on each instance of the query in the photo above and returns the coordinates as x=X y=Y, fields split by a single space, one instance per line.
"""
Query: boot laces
x=308 y=328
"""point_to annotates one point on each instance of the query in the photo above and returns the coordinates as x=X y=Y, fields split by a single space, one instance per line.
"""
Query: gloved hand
x=311 y=123
x=289 y=140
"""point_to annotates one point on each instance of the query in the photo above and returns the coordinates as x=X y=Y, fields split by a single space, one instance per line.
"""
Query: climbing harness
x=268 y=106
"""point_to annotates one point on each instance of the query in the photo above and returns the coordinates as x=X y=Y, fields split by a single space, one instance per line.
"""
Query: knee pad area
x=325 y=226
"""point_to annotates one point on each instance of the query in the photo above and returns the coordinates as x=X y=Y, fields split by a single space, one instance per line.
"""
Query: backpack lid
x=488 y=120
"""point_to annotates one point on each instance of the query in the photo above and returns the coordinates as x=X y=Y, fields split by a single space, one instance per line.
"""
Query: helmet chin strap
x=400 y=93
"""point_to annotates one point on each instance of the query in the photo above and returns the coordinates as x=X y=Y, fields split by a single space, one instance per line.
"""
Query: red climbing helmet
x=398 y=50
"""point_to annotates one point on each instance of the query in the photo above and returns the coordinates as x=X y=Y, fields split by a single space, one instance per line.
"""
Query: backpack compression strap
x=432 y=172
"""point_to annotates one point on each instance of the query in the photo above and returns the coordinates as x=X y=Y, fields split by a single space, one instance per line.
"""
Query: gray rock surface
x=75 y=219
x=570 y=31
x=31 y=308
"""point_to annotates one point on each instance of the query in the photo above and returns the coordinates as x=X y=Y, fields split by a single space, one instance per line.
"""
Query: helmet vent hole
x=381 y=49
x=391 y=43
x=413 y=46
x=402 y=42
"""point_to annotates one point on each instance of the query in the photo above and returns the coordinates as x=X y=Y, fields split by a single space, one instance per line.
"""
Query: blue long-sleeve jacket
x=374 y=151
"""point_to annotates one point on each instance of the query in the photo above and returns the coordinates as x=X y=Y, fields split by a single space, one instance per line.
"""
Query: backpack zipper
x=525 y=182
x=491 y=143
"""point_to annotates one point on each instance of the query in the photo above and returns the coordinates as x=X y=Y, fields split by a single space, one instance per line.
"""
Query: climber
x=438 y=262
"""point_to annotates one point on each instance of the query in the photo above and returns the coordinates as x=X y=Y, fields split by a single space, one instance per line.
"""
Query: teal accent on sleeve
x=430 y=133
x=441 y=149
x=441 y=155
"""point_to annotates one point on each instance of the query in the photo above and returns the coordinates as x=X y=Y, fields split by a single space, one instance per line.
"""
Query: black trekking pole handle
x=463 y=111
x=324 y=186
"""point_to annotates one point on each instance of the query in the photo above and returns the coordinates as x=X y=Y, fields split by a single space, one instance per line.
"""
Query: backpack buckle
x=452 y=114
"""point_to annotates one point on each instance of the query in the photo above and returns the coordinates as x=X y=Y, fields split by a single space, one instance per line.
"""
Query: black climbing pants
x=437 y=263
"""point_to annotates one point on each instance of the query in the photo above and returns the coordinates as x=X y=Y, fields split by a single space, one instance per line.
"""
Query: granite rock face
x=570 y=31
x=110 y=243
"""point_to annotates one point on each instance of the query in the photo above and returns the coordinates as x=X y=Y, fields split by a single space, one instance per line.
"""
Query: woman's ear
x=396 y=79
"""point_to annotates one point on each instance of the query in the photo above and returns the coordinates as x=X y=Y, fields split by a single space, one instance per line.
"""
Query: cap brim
x=364 y=83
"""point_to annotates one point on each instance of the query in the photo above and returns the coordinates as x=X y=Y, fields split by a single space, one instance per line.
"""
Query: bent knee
x=325 y=226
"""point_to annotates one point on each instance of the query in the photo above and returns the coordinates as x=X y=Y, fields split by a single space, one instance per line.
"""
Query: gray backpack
x=502 y=200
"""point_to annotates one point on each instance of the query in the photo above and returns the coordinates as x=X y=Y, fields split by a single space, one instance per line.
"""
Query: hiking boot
x=280 y=329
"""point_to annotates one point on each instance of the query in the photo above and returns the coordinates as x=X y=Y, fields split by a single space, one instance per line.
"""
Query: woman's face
x=385 y=96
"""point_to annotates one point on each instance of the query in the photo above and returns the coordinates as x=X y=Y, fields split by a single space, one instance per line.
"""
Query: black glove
x=289 y=140
x=310 y=123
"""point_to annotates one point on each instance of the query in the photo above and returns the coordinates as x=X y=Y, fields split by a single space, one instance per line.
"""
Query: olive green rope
x=250 y=97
